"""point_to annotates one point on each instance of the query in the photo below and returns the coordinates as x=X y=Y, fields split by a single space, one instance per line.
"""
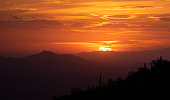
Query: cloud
x=121 y=17
x=29 y=24
x=15 y=17
x=142 y=7
x=132 y=6
x=165 y=19
x=106 y=0
x=89 y=20
x=14 y=11
x=113 y=43
x=13 y=14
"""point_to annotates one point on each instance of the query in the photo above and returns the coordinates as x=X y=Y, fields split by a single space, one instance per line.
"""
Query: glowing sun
x=105 y=49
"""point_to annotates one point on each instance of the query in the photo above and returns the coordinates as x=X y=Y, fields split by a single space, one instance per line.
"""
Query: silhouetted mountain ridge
x=45 y=74
x=50 y=56
x=42 y=75
x=44 y=55
x=125 y=57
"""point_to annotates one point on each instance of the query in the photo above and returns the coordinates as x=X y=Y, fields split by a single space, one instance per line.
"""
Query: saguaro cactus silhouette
x=100 y=81
x=145 y=65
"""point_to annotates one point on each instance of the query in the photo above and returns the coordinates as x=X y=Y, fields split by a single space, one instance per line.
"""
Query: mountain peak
x=46 y=53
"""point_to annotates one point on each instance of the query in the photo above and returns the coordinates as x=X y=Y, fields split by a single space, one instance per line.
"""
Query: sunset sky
x=72 y=26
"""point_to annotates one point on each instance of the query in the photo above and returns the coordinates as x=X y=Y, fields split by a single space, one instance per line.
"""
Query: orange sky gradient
x=72 y=26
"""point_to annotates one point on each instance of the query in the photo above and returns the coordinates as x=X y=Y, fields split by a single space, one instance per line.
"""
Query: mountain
x=120 y=59
x=125 y=56
x=46 y=74
x=46 y=56
x=43 y=75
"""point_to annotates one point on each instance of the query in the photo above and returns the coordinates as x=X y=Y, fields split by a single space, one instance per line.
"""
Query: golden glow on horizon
x=105 y=49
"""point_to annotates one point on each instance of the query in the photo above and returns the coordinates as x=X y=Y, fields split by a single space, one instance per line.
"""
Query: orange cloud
x=78 y=22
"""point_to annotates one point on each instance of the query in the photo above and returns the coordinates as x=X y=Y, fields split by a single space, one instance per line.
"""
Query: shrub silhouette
x=147 y=83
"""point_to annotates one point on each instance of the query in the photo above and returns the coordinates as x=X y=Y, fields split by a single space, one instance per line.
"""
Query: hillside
x=147 y=83
x=124 y=56
x=46 y=74
x=43 y=75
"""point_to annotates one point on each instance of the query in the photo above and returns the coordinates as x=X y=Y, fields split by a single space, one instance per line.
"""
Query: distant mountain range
x=128 y=56
x=122 y=58
x=43 y=75
x=46 y=74
x=50 y=56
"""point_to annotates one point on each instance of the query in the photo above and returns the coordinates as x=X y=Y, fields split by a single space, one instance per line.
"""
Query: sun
x=104 y=49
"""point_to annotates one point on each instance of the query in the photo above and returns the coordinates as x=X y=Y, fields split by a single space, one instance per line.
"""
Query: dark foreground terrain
x=46 y=74
x=147 y=83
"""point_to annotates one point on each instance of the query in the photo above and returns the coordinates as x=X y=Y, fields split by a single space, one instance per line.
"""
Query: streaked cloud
x=133 y=23
x=165 y=19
